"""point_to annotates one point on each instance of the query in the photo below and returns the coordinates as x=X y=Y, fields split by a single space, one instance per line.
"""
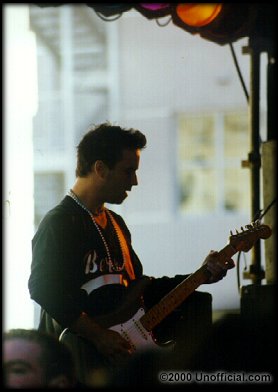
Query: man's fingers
x=230 y=264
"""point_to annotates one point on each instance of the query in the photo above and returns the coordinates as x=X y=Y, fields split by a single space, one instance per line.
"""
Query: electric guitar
x=136 y=325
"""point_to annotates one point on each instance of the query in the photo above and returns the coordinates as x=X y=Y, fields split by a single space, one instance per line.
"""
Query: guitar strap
x=124 y=248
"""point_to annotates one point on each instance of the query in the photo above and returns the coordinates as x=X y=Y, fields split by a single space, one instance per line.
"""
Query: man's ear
x=60 y=381
x=101 y=169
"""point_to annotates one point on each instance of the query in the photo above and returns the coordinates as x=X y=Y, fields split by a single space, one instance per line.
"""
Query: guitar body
x=134 y=332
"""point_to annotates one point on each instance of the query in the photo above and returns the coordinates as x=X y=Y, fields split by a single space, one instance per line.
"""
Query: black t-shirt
x=61 y=248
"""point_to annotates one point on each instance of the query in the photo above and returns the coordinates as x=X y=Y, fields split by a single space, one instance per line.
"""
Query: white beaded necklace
x=111 y=264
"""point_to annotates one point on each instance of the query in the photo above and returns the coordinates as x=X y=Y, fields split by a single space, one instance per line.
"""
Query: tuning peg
x=249 y=227
x=256 y=224
x=231 y=233
x=242 y=229
x=237 y=231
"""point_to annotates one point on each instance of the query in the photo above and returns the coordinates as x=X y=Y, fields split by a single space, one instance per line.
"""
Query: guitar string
x=134 y=327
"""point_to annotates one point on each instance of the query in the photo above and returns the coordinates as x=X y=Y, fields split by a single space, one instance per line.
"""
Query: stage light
x=155 y=10
x=108 y=10
x=197 y=15
x=218 y=22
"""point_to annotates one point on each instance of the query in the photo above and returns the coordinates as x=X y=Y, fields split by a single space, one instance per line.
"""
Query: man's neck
x=87 y=195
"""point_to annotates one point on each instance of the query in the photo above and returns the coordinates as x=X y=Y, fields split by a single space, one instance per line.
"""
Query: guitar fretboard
x=176 y=296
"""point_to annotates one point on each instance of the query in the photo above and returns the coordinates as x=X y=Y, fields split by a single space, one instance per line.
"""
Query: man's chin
x=120 y=199
x=124 y=196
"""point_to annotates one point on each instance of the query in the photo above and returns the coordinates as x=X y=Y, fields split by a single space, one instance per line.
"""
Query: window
x=210 y=150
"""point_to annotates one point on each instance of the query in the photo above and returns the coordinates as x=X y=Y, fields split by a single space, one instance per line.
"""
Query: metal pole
x=256 y=273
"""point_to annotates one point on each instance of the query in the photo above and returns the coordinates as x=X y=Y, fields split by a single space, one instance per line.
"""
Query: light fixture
x=218 y=22
x=153 y=10
x=108 y=10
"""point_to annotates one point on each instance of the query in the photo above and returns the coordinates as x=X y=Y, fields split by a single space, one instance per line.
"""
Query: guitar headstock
x=246 y=238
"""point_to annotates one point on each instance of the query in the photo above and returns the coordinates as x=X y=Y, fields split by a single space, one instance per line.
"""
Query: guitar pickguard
x=134 y=332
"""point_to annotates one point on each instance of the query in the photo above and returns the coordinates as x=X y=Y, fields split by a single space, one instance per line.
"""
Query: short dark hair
x=106 y=142
x=55 y=358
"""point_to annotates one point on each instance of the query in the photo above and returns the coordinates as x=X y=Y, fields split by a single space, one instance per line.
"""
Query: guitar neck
x=176 y=296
